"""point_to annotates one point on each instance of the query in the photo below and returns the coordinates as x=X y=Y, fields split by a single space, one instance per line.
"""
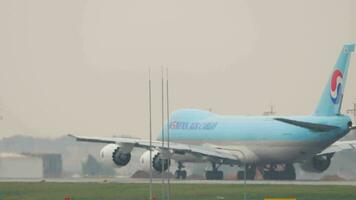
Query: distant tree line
x=91 y=167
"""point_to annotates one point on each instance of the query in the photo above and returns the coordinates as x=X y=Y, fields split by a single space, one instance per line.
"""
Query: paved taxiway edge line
x=227 y=182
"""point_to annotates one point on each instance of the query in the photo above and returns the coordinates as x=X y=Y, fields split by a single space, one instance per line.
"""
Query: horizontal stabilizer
x=339 y=146
x=308 y=125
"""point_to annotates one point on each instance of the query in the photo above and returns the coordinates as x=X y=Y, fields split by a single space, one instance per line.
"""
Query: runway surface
x=138 y=180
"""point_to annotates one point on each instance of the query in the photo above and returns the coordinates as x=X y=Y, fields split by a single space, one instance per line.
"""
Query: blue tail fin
x=331 y=99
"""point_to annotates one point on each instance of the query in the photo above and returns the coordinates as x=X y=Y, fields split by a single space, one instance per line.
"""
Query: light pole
x=162 y=159
x=244 y=162
x=270 y=112
x=244 y=178
x=150 y=125
x=168 y=138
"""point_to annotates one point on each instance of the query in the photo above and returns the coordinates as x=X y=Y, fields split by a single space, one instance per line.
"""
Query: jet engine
x=158 y=164
x=317 y=164
x=112 y=155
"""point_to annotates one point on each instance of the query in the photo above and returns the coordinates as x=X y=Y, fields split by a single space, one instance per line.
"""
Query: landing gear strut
x=250 y=173
x=273 y=172
x=214 y=174
x=180 y=174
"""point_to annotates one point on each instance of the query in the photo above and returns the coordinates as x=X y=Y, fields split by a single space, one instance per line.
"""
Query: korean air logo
x=336 y=86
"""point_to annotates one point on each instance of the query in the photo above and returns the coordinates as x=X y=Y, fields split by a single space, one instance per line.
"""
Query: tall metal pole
x=244 y=178
x=162 y=173
x=244 y=162
x=354 y=112
x=168 y=137
x=150 y=113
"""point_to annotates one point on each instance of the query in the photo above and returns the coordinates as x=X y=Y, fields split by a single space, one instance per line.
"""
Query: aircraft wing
x=339 y=146
x=212 y=153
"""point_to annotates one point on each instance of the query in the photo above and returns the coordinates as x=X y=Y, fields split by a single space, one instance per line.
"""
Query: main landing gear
x=250 y=173
x=279 y=172
x=180 y=174
x=214 y=174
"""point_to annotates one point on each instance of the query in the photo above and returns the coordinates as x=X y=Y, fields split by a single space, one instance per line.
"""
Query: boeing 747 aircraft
x=259 y=142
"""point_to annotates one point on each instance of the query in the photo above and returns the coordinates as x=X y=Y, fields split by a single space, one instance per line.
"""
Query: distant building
x=20 y=166
x=29 y=165
x=51 y=164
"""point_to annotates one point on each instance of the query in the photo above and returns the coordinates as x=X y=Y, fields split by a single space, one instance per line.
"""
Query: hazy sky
x=81 y=66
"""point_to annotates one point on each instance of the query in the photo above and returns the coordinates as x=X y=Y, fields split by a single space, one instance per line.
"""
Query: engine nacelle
x=317 y=164
x=156 y=162
x=112 y=155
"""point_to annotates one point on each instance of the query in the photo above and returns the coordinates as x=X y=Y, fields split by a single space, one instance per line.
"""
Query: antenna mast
x=168 y=136
x=150 y=116
x=162 y=152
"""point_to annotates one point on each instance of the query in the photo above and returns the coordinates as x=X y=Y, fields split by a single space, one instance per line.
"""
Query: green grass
x=110 y=191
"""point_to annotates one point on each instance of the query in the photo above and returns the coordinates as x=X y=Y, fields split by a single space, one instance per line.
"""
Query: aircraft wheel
x=270 y=175
x=220 y=175
x=214 y=175
x=181 y=174
x=289 y=172
x=177 y=174
x=250 y=173
x=184 y=174
x=240 y=175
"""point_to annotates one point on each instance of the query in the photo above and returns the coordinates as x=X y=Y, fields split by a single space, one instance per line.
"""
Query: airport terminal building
x=30 y=165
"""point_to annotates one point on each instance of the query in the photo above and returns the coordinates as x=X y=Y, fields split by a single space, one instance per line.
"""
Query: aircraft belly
x=266 y=151
x=283 y=151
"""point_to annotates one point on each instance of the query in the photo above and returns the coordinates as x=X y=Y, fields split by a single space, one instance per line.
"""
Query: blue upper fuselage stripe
x=201 y=125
